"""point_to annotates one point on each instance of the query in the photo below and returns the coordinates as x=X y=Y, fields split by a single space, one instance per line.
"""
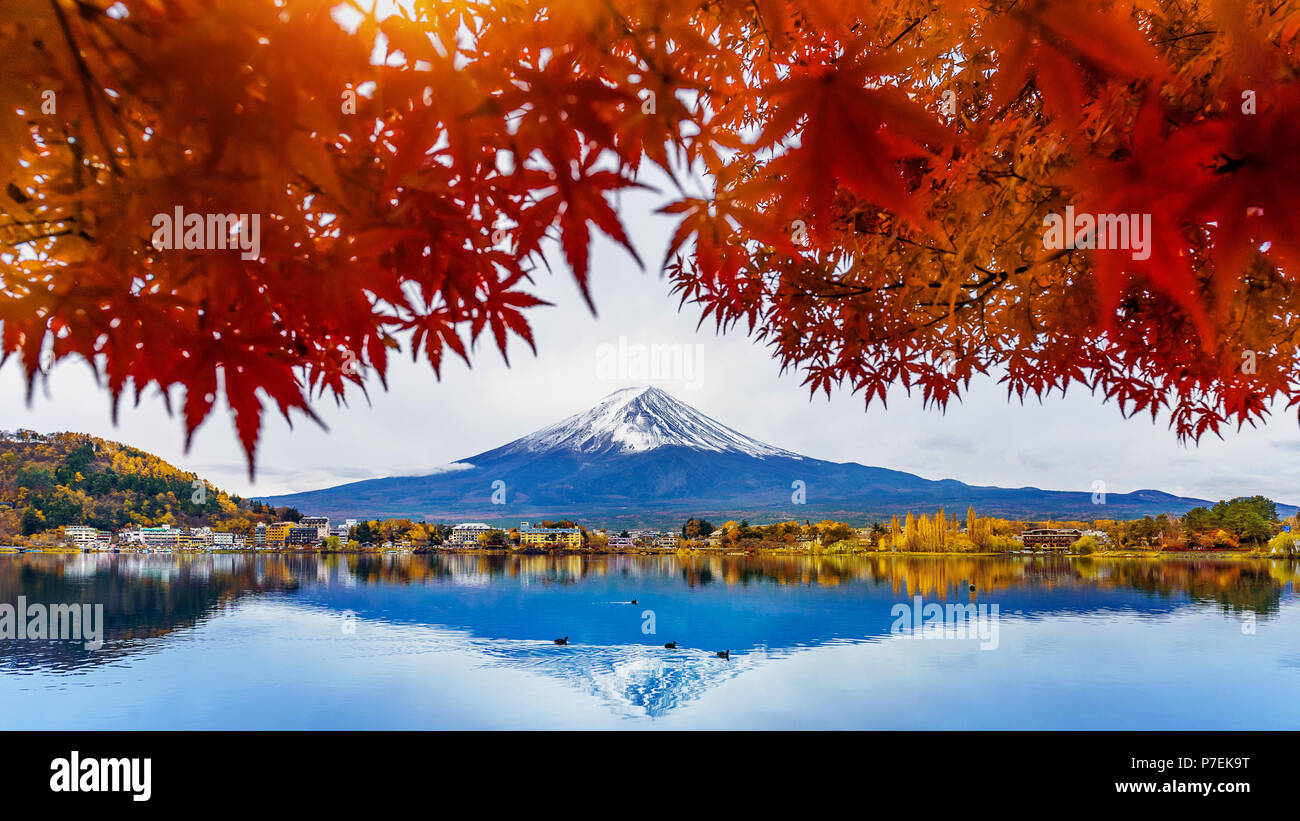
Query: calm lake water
x=243 y=641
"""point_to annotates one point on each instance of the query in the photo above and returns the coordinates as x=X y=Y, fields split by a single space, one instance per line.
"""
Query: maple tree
x=879 y=174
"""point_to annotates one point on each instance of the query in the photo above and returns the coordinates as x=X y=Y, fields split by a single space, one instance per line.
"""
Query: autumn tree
x=695 y=528
x=264 y=200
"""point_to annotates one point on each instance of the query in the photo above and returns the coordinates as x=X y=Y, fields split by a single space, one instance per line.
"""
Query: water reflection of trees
x=150 y=595
x=1235 y=584
x=143 y=596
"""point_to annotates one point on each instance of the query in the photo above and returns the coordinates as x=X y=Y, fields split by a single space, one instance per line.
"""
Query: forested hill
x=51 y=480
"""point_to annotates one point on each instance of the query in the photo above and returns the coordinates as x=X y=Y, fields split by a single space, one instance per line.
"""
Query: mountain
x=48 y=481
x=643 y=457
x=637 y=420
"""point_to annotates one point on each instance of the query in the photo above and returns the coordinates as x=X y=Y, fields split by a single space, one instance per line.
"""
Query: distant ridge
x=641 y=456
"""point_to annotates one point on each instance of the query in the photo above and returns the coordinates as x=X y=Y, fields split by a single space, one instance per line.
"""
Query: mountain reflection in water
x=503 y=611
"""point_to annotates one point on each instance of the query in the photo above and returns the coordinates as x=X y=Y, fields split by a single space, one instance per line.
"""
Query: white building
x=84 y=536
x=130 y=537
x=466 y=534
x=666 y=540
x=161 y=536
x=227 y=541
x=321 y=523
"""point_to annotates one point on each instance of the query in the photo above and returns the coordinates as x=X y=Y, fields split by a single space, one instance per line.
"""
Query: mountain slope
x=48 y=481
x=636 y=420
x=642 y=457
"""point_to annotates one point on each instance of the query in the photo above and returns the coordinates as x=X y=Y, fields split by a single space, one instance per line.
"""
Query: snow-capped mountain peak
x=634 y=420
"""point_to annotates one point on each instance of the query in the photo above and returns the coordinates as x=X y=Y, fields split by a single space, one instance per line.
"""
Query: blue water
x=245 y=641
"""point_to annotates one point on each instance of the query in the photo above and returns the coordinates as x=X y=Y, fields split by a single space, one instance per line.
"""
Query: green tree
x=33 y=521
x=1086 y=545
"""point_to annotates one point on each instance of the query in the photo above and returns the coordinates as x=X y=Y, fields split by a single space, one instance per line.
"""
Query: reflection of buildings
x=144 y=596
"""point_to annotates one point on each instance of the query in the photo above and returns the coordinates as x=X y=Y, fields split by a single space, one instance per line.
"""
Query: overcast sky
x=421 y=423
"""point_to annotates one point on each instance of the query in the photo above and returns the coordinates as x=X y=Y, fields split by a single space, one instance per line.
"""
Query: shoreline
x=705 y=551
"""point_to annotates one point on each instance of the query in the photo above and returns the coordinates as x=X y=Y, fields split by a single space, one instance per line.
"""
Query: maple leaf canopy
x=881 y=175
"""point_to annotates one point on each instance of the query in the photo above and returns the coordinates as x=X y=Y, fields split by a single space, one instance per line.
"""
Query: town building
x=259 y=535
x=299 y=536
x=161 y=537
x=666 y=541
x=84 y=536
x=1049 y=538
x=277 y=533
x=321 y=523
x=529 y=536
x=130 y=537
x=193 y=540
x=467 y=533
x=227 y=541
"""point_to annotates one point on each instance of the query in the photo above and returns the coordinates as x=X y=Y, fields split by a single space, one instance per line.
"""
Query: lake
x=457 y=641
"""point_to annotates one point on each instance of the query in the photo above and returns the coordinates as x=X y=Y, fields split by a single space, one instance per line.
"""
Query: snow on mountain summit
x=634 y=420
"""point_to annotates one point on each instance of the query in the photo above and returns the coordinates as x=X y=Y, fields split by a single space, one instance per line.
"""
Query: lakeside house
x=228 y=541
x=170 y=537
x=162 y=536
x=666 y=540
x=1050 y=538
x=530 y=536
x=277 y=533
x=86 y=537
x=466 y=534
x=321 y=524
x=299 y=536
